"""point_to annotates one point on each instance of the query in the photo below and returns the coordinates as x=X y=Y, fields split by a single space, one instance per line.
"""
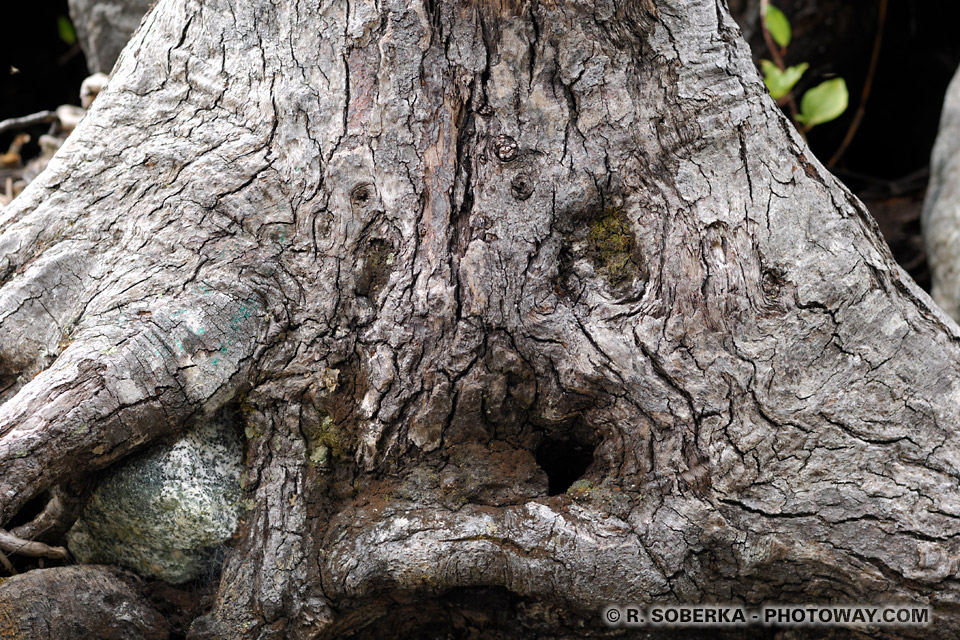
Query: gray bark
x=416 y=241
x=102 y=603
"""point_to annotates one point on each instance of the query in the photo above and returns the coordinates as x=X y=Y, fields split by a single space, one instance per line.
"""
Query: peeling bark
x=424 y=245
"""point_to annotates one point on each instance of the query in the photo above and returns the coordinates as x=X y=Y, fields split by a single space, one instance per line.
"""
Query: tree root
x=13 y=544
x=79 y=602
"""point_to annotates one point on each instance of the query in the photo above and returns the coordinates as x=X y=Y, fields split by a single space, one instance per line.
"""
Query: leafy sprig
x=823 y=103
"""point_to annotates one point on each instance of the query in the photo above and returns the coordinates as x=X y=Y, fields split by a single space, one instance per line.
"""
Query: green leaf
x=778 y=26
x=823 y=103
x=781 y=82
x=66 y=30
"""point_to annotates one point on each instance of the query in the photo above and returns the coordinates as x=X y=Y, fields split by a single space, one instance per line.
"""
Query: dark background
x=50 y=70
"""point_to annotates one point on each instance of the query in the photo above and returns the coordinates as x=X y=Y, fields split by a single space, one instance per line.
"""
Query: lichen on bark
x=613 y=247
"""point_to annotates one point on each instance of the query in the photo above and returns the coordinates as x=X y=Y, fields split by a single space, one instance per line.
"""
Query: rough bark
x=101 y=603
x=420 y=242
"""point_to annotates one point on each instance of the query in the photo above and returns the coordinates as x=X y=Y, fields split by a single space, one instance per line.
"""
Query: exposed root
x=121 y=385
x=13 y=544
x=61 y=511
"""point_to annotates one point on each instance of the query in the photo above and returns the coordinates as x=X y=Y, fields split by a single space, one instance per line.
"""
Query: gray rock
x=163 y=514
x=104 y=27
x=941 y=208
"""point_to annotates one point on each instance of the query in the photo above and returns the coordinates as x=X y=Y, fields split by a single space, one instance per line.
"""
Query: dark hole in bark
x=363 y=200
x=360 y=194
x=376 y=267
x=522 y=186
x=180 y=605
x=564 y=461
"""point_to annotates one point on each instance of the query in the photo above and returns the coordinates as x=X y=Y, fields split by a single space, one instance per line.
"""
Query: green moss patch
x=327 y=441
x=613 y=247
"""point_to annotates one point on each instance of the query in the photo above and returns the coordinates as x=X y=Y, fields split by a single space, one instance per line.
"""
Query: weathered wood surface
x=87 y=601
x=417 y=239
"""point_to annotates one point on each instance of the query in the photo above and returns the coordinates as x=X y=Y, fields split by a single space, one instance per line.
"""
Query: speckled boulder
x=164 y=513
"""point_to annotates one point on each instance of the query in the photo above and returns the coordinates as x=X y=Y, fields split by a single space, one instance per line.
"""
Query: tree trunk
x=77 y=602
x=530 y=306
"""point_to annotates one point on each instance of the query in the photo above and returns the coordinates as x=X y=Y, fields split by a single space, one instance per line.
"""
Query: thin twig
x=43 y=117
x=868 y=83
x=13 y=544
x=768 y=38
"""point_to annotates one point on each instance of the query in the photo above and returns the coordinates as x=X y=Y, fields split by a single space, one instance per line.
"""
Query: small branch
x=13 y=544
x=767 y=38
x=868 y=83
x=14 y=124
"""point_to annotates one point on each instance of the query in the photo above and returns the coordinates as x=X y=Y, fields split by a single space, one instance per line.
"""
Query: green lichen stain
x=581 y=489
x=250 y=430
x=320 y=455
x=243 y=312
x=613 y=247
x=606 y=494
x=326 y=440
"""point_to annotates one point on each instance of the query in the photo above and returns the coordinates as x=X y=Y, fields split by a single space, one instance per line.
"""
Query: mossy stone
x=164 y=513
